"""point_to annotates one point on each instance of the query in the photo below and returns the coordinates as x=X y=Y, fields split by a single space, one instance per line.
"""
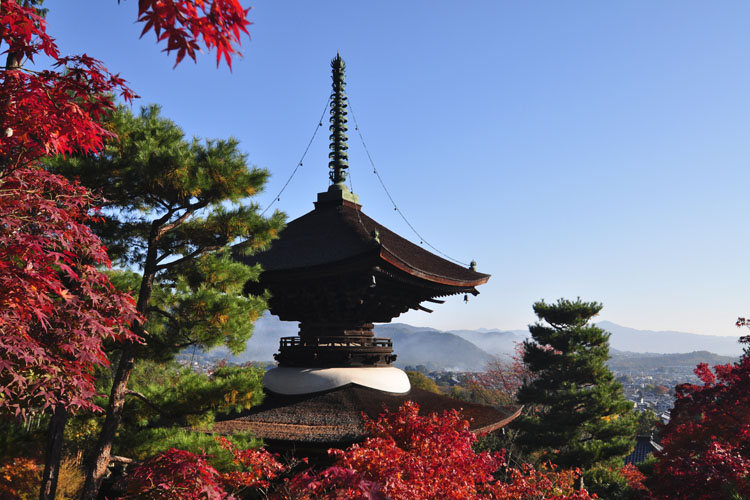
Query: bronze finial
x=338 y=155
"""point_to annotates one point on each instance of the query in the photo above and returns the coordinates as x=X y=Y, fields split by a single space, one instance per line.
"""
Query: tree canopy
x=579 y=416
x=46 y=265
x=56 y=304
x=706 y=443
x=172 y=208
x=407 y=457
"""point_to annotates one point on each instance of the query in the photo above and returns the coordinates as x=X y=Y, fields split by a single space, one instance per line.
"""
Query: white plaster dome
x=298 y=380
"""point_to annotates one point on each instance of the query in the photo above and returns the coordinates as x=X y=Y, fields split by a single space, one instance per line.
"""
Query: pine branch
x=184 y=345
x=164 y=313
x=188 y=257
x=191 y=209
x=148 y=402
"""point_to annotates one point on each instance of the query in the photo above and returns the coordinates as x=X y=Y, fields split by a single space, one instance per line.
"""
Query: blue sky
x=581 y=148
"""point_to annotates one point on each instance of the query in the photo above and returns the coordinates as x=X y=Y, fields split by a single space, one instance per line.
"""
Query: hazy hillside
x=413 y=345
x=496 y=342
x=630 y=339
x=471 y=349
x=625 y=361
x=499 y=342
x=262 y=345
x=434 y=349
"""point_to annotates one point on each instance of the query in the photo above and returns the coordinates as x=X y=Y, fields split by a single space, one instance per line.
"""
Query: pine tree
x=172 y=209
x=579 y=416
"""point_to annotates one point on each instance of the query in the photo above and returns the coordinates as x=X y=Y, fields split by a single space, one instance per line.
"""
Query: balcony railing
x=292 y=342
x=335 y=351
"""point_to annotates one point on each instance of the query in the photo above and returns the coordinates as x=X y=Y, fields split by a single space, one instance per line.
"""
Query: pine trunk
x=99 y=462
x=54 y=453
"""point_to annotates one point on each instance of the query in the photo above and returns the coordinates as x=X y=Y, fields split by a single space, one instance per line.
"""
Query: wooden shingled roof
x=336 y=233
x=335 y=418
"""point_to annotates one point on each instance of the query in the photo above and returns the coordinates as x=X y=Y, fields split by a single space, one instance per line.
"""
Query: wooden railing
x=349 y=341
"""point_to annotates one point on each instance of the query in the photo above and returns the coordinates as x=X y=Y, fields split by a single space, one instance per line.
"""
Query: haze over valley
x=470 y=350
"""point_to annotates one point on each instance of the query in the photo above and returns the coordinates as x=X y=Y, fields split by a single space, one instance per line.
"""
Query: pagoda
x=336 y=271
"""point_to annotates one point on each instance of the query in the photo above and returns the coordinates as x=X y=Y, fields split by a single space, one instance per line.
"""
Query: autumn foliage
x=707 y=441
x=56 y=306
x=19 y=478
x=184 y=24
x=52 y=111
x=635 y=480
x=407 y=457
x=176 y=474
x=505 y=377
x=256 y=468
x=179 y=474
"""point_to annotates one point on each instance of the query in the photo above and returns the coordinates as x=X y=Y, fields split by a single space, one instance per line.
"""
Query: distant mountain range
x=470 y=350
x=648 y=362
x=663 y=342
x=433 y=349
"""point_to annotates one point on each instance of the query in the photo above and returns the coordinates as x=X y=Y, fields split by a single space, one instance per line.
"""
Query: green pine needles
x=578 y=415
x=172 y=210
x=175 y=213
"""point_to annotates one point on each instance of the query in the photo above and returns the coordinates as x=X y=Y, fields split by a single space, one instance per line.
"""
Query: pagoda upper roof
x=338 y=232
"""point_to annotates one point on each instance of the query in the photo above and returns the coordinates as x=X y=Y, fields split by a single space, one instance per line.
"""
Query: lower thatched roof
x=334 y=418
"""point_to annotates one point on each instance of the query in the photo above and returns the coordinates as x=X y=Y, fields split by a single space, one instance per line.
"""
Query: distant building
x=644 y=447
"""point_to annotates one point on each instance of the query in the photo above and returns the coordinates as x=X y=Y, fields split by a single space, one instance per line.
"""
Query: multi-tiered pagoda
x=337 y=271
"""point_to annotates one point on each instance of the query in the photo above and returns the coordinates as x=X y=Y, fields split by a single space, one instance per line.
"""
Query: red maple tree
x=56 y=305
x=407 y=457
x=414 y=457
x=184 y=24
x=176 y=474
x=706 y=451
x=185 y=475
